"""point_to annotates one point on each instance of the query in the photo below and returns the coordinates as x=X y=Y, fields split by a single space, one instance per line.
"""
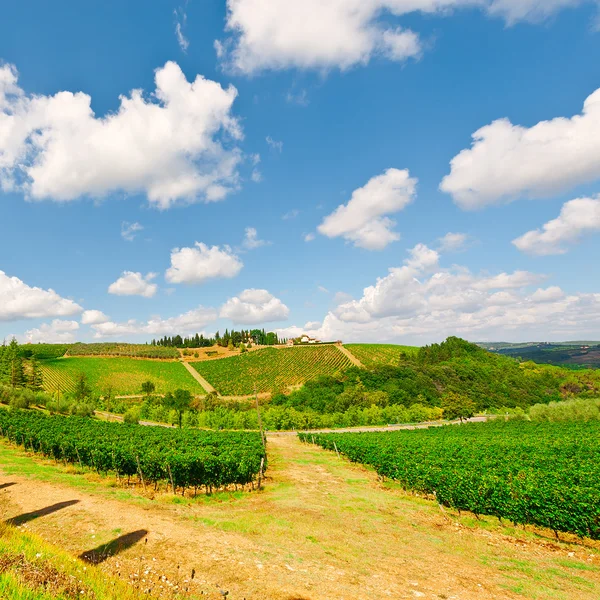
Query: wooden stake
x=137 y=458
x=171 y=477
x=336 y=450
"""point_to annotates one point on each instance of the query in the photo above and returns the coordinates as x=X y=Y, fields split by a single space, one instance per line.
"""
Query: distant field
x=124 y=375
x=271 y=369
x=374 y=355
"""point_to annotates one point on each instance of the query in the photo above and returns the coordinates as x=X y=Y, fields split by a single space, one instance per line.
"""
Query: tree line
x=258 y=337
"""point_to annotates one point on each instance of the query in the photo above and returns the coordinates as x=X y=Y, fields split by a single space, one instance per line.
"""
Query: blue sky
x=308 y=180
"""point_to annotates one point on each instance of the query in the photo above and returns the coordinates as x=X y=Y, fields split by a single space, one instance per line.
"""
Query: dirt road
x=321 y=528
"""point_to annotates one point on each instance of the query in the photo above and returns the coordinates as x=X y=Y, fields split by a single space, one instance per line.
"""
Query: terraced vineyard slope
x=271 y=369
x=124 y=375
x=375 y=355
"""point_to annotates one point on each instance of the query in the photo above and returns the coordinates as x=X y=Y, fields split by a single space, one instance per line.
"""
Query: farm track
x=350 y=356
x=205 y=385
x=322 y=528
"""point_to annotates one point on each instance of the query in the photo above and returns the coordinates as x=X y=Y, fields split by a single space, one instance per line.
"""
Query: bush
x=132 y=416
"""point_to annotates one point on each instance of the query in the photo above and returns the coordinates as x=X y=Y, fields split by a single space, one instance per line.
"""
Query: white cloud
x=130 y=230
x=323 y=289
x=328 y=34
x=93 y=317
x=550 y=294
x=309 y=237
x=180 y=22
x=134 y=284
x=421 y=302
x=274 y=145
x=21 y=301
x=188 y=323
x=251 y=240
x=254 y=306
x=56 y=332
x=453 y=242
x=201 y=263
x=168 y=145
x=256 y=176
x=509 y=161
x=362 y=220
x=577 y=218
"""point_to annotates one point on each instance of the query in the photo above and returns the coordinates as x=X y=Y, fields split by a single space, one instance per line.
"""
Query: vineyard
x=543 y=474
x=179 y=458
x=116 y=349
x=271 y=369
x=375 y=355
x=123 y=375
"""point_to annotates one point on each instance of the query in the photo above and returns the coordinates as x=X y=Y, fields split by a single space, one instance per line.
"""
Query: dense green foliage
x=193 y=458
x=120 y=376
x=374 y=355
x=577 y=409
x=43 y=351
x=271 y=369
x=540 y=473
x=425 y=377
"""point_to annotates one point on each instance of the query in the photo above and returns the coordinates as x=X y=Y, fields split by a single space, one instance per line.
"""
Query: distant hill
x=573 y=354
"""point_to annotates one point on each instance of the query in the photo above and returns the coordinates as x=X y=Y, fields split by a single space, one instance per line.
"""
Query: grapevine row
x=546 y=474
x=183 y=458
x=271 y=369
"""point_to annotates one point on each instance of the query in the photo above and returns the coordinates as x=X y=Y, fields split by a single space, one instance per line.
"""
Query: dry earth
x=321 y=528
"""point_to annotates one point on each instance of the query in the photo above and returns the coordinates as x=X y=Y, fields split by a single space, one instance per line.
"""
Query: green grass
x=271 y=369
x=124 y=375
x=31 y=569
x=374 y=355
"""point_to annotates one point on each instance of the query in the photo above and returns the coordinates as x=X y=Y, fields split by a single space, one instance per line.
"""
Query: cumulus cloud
x=252 y=241
x=130 y=230
x=327 y=34
x=453 y=242
x=509 y=161
x=56 y=332
x=420 y=302
x=134 y=284
x=308 y=237
x=93 y=317
x=21 y=301
x=362 y=221
x=254 y=306
x=188 y=323
x=201 y=263
x=176 y=145
x=577 y=218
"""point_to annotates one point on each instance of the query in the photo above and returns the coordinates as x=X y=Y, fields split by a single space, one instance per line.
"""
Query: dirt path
x=351 y=356
x=322 y=528
x=207 y=387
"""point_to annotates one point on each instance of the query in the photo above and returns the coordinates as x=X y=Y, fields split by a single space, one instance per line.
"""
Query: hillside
x=271 y=369
x=373 y=355
x=123 y=375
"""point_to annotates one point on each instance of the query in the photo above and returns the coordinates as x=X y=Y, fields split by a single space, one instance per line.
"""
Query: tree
x=82 y=389
x=148 y=388
x=35 y=380
x=12 y=368
x=457 y=406
x=180 y=400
